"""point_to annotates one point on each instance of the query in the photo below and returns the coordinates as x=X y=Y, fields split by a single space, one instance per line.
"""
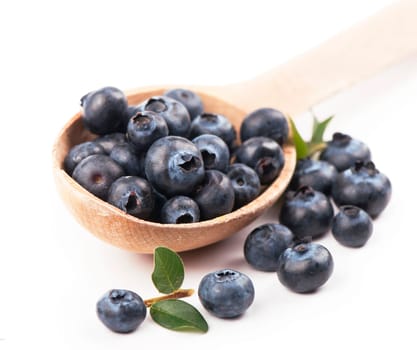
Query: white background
x=53 y=271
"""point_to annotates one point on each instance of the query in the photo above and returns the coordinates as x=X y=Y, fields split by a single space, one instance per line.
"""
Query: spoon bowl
x=373 y=45
x=128 y=232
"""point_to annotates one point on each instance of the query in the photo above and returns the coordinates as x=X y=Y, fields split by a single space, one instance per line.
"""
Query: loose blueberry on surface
x=108 y=141
x=103 y=111
x=245 y=183
x=265 y=244
x=226 y=293
x=215 y=124
x=144 y=128
x=174 y=166
x=175 y=114
x=352 y=226
x=189 y=99
x=180 y=210
x=215 y=195
x=133 y=195
x=306 y=212
x=121 y=311
x=266 y=122
x=305 y=267
x=317 y=174
x=343 y=151
x=363 y=186
x=78 y=152
x=215 y=153
x=131 y=162
x=264 y=155
x=96 y=173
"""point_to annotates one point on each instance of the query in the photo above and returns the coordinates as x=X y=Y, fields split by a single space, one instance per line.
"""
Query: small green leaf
x=178 y=315
x=168 y=273
x=301 y=147
x=318 y=130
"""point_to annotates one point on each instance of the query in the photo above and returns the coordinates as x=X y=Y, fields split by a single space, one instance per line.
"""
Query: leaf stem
x=180 y=293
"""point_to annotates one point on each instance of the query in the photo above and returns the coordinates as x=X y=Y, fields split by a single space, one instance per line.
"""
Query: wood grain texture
x=349 y=57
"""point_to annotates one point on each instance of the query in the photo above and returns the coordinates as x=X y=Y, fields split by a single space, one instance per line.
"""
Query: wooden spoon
x=360 y=52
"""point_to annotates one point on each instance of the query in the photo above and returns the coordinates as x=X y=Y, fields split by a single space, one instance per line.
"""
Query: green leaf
x=168 y=273
x=178 y=315
x=301 y=147
x=318 y=130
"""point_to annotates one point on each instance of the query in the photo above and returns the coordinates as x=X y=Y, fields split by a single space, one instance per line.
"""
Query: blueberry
x=215 y=124
x=175 y=114
x=160 y=201
x=103 y=111
x=306 y=212
x=245 y=183
x=305 y=267
x=352 y=226
x=96 y=173
x=317 y=174
x=343 y=151
x=266 y=122
x=133 y=195
x=110 y=140
x=121 y=311
x=78 y=152
x=180 y=210
x=189 y=99
x=226 y=293
x=265 y=244
x=215 y=196
x=363 y=186
x=131 y=162
x=264 y=155
x=144 y=128
x=215 y=153
x=174 y=166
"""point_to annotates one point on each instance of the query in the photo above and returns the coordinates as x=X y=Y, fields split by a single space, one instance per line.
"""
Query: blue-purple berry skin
x=317 y=174
x=144 y=128
x=215 y=196
x=108 y=141
x=266 y=122
x=226 y=293
x=175 y=114
x=215 y=124
x=191 y=100
x=174 y=166
x=96 y=173
x=264 y=245
x=343 y=151
x=131 y=162
x=245 y=183
x=215 y=153
x=306 y=212
x=363 y=186
x=264 y=155
x=180 y=210
x=305 y=267
x=103 y=111
x=78 y=152
x=133 y=195
x=352 y=226
x=120 y=310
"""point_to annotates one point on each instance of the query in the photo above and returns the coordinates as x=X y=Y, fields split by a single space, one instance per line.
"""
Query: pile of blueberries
x=167 y=160
x=344 y=172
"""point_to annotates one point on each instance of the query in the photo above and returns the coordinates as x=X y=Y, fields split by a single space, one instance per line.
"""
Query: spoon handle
x=356 y=54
